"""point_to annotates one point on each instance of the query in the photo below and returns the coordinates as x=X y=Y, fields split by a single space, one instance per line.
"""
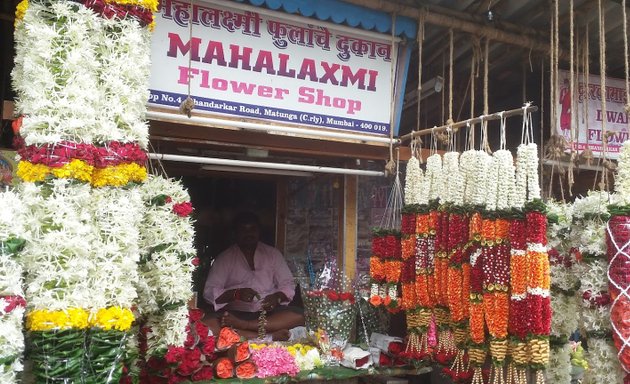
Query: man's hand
x=272 y=301
x=245 y=294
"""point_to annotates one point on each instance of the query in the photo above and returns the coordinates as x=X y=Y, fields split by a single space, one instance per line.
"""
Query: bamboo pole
x=463 y=123
x=460 y=24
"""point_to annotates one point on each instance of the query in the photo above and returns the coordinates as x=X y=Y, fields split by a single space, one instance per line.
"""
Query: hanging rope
x=420 y=41
x=450 y=76
x=602 y=80
x=443 y=110
x=485 y=78
x=587 y=153
x=570 y=180
x=542 y=120
x=391 y=166
x=188 y=104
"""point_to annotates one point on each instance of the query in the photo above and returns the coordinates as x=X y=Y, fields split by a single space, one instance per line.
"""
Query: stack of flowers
x=306 y=356
x=166 y=264
x=12 y=303
x=588 y=237
x=192 y=361
x=274 y=361
x=81 y=77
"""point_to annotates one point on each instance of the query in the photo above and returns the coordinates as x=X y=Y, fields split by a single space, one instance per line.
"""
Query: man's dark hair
x=245 y=218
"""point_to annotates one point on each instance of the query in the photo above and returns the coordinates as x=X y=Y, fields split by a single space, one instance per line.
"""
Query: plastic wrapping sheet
x=77 y=356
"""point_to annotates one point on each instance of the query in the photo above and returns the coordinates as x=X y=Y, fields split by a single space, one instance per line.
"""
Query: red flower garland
x=59 y=154
x=107 y=10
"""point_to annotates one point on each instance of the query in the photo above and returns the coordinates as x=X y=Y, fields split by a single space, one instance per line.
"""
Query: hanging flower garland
x=12 y=303
x=588 y=239
x=167 y=263
x=385 y=269
x=564 y=283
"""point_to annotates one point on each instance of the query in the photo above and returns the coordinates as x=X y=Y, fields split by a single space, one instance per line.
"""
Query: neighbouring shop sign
x=589 y=117
x=249 y=62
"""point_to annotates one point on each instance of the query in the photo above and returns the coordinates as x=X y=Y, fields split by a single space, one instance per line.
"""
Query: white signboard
x=590 y=130
x=248 y=62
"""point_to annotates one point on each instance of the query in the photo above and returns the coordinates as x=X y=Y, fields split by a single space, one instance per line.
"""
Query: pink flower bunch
x=113 y=10
x=274 y=361
x=59 y=154
x=12 y=302
x=192 y=362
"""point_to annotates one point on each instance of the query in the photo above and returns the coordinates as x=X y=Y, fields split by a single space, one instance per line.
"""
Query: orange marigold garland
x=385 y=269
x=538 y=300
x=477 y=349
x=519 y=319
x=496 y=270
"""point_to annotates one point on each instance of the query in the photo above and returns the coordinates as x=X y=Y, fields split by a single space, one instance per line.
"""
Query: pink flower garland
x=274 y=361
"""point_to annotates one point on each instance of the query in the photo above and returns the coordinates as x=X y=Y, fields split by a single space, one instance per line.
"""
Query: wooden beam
x=349 y=225
x=460 y=24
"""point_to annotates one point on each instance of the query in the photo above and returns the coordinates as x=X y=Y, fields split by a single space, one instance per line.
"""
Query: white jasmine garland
x=563 y=278
x=413 y=181
x=603 y=363
x=167 y=328
x=622 y=176
x=559 y=368
x=79 y=76
x=124 y=52
x=483 y=164
x=166 y=268
x=56 y=72
x=58 y=256
x=11 y=335
x=435 y=177
x=454 y=180
x=533 y=181
x=467 y=167
x=492 y=184
x=564 y=320
x=506 y=175
x=115 y=251
x=558 y=234
x=519 y=193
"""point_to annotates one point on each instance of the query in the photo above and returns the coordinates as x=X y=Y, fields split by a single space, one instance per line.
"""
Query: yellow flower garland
x=78 y=318
x=116 y=176
x=149 y=4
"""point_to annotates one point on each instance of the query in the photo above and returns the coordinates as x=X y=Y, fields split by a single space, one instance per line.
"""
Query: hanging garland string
x=188 y=104
x=625 y=55
x=450 y=76
x=602 y=78
x=572 y=128
x=420 y=41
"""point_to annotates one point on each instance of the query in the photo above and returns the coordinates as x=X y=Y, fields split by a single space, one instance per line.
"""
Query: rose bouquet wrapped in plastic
x=330 y=312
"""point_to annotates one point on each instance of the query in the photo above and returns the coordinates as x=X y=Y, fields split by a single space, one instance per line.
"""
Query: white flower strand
x=506 y=178
x=58 y=258
x=467 y=167
x=483 y=163
x=166 y=270
x=603 y=362
x=11 y=335
x=454 y=183
x=492 y=183
x=559 y=369
x=435 y=177
x=519 y=193
x=413 y=181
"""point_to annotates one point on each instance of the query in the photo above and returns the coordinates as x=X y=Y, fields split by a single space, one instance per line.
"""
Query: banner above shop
x=247 y=62
x=589 y=117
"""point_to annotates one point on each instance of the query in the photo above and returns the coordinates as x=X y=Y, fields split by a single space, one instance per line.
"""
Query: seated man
x=246 y=278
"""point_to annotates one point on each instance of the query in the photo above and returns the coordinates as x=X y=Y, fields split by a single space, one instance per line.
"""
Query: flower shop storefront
x=293 y=109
